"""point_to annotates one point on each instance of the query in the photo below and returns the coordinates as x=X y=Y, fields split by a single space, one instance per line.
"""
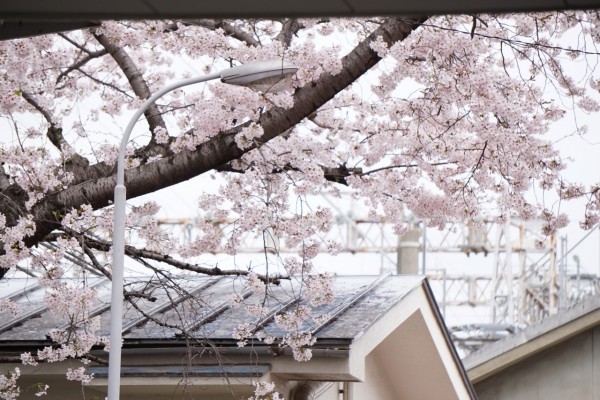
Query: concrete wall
x=569 y=370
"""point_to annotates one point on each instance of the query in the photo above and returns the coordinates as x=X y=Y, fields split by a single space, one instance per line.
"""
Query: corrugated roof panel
x=368 y=309
x=15 y=288
x=192 y=310
x=358 y=302
x=35 y=320
x=172 y=303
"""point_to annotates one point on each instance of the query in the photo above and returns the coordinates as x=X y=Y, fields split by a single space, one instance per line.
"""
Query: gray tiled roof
x=205 y=308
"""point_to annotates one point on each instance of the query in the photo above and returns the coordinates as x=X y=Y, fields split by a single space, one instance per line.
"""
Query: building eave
x=165 y=9
x=31 y=17
x=555 y=329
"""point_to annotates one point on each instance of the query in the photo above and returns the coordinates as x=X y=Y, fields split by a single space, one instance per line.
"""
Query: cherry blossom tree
x=444 y=117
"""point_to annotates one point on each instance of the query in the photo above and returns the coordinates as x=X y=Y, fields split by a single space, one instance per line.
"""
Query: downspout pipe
x=306 y=390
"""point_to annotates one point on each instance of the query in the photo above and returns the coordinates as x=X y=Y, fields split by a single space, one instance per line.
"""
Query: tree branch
x=230 y=29
x=137 y=82
x=78 y=64
x=107 y=84
x=95 y=261
x=476 y=167
x=55 y=135
x=513 y=42
x=290 y=27
x=167 y=259
x=333 y=174
x=220 y=149
x=75 y=44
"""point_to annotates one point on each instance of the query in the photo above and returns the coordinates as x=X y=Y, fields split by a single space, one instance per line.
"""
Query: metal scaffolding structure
x=528 y=278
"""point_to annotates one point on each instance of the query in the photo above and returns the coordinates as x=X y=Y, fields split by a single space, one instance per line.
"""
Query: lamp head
x=262 y=76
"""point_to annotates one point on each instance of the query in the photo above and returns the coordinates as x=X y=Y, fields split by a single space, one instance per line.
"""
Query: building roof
x=387 y=322
x=359 y=302
x=523 y=344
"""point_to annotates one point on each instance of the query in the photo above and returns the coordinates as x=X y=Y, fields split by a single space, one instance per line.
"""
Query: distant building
x=556 y=359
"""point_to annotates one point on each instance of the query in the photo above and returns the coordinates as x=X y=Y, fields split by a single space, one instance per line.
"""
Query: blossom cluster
x=265 y=391
x=9 y=390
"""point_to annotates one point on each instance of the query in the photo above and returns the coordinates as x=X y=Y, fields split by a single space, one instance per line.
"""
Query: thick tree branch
x=45 y=113
x=221 y=149
x=4 y=178
x=290 y=27
x=333 y=174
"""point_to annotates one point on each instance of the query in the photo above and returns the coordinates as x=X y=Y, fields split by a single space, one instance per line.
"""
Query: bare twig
x=477 y=165
x=404 y=166
x=515 y=42
x=99 y=244
x=229 y=28
x=78 y=64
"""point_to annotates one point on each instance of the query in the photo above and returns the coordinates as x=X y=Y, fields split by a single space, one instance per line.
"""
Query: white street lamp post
x=259 y=75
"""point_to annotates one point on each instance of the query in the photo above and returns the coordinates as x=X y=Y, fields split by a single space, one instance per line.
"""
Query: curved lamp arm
x=251 y=74
x=116 y=304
